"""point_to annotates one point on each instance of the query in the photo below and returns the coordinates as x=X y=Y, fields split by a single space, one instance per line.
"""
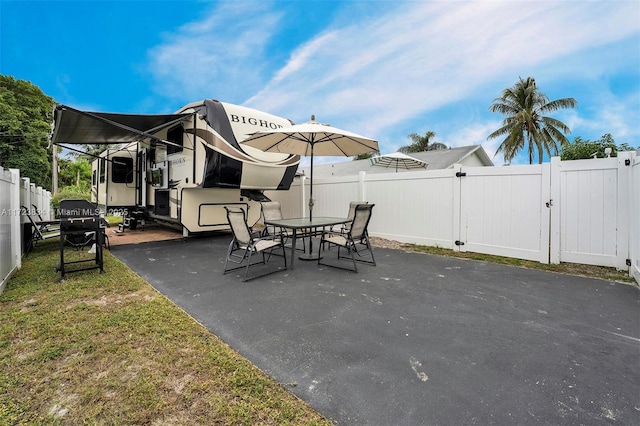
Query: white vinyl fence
x=14 y=193
x=584 y=211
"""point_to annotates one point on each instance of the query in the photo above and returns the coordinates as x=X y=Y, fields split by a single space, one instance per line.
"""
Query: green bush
x=584 y=148
x=70 y=192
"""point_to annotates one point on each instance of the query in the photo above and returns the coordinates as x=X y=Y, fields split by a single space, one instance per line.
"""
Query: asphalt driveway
x=418 y=339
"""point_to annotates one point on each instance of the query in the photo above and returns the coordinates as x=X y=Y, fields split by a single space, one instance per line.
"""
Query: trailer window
x=176 y=136
x=103 y=170
x=221 y=171
x=122 y=170
x=159 y=154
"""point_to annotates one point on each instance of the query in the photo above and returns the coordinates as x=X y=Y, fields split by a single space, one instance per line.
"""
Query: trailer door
x=141 y=182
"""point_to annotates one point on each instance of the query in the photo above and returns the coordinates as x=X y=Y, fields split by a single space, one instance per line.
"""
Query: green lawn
x=109 y=349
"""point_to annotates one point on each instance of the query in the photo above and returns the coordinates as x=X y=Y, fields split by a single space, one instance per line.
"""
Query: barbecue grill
x=77 y=219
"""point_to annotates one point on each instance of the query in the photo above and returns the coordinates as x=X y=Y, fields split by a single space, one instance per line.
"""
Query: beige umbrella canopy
x=312 y=139
x=398 y=160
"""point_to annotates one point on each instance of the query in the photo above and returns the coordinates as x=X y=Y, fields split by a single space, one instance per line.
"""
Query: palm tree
x=525 y=124
x=422 y=143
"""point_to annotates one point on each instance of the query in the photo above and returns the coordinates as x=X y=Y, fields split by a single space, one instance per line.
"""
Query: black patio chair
x=272 y=210
x=355 y=240
x=39 y=230
x=245 y=244
x=45 y=225
x=351 y=215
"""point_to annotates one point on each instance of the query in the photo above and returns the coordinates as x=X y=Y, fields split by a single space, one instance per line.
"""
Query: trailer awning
x=72 y=126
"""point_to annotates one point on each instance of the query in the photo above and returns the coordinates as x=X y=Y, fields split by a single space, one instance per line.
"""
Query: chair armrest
x=280 y=235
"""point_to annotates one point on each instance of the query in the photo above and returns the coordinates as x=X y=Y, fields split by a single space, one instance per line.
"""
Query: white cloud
x=219 y=56
x=426 y=55
x=382 y=75
x=476 y=134
x=609 y=114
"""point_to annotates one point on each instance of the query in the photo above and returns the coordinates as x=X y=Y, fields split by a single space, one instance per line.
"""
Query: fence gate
x=591 y=219
x=504 y=211
x=634 y=215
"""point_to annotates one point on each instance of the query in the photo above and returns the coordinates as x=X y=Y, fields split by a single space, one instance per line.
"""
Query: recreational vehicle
x=182 y=168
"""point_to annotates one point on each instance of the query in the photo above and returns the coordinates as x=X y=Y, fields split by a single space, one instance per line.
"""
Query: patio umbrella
x=398 y=160
x=311 y=139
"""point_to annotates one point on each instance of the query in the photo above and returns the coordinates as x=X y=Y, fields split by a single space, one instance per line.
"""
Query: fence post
x=46 y=200
x=38 y=201
x=25 y=194
x=362 y=175
x=33 y=196
x=25 y=197
x=303 y=199
x=16 y=220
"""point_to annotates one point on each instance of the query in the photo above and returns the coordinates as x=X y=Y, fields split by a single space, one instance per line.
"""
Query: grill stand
x=76 y=221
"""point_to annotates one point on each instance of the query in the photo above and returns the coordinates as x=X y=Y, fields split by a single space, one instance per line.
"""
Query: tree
x=584 y=148
x=422 y=143
x=75 y=173
x=526 y=124
x=91 y=151
x=26 y=114
x=363 y=156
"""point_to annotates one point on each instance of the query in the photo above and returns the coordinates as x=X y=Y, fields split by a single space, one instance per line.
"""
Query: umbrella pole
x=311 y=189
x=310 y=255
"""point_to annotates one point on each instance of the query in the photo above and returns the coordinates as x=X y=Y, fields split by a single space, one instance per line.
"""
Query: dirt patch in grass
x=592 y=271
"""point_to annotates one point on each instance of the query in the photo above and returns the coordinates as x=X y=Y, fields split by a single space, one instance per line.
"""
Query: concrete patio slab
x=418 y=339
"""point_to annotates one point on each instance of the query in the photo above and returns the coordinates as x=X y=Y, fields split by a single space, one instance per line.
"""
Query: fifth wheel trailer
x=183 y=168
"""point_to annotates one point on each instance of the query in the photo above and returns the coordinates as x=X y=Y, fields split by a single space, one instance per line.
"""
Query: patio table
x=298 y=223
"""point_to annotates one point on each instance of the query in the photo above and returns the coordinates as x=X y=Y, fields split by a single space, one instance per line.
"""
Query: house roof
x=438 y=159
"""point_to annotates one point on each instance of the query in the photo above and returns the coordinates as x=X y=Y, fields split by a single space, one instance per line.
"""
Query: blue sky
x=383 y=69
